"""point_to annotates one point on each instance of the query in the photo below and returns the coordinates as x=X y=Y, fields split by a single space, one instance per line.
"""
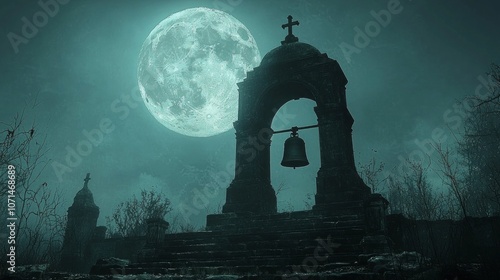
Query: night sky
x=404 y=83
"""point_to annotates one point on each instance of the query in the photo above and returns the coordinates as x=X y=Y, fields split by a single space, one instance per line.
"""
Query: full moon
x=189 y=66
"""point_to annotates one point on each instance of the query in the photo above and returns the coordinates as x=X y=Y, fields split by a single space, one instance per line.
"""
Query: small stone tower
x=80 y=227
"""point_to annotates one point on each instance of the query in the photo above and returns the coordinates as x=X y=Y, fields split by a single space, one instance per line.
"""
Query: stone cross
x=289 y=25
x=290 y=38
x=87 y=179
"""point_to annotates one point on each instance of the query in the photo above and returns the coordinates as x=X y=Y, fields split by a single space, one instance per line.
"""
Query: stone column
x=155 y=234
x=155 y=238
x=100 y=233
x=376 y=240
x=251 y=190
x=337 y=180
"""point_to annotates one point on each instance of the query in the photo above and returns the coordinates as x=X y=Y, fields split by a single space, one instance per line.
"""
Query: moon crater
x=189 y=66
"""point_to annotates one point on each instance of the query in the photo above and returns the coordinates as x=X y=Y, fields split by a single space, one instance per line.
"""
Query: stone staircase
x=278 y=244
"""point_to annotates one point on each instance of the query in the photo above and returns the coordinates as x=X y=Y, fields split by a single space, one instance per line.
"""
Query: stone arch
x=290 y=72
x=300 y=182
x=277 y=95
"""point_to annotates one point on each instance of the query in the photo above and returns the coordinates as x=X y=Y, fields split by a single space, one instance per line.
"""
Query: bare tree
x=480 y=150
x=129 y=217
x=425 y=201
x=371 y=174
x=411 y=194
x=39 y=226
x=21 y=147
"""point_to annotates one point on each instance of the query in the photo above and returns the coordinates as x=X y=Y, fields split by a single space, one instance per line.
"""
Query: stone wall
x=448 y=241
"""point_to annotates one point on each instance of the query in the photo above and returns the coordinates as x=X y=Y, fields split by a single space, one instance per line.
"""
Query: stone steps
x=266 y=252
x=347 y=238
x=333 y=229
x=280 y=217
x=216 y=222
x=262 y=272
x=263 y=244
x=291 y=225
x=261 y=252
x=259 y=244
x=255 y=242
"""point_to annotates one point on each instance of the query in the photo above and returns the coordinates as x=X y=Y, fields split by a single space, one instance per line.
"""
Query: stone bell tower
x=292 y=71
x=80 y=227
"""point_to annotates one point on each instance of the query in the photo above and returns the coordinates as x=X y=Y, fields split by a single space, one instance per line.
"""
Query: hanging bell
x=294 y=154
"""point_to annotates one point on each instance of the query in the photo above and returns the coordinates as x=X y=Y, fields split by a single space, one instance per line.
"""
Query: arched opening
x=261 y=95
x=295 y=188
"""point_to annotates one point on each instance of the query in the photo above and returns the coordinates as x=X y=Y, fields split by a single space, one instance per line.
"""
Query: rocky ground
x=406 y=265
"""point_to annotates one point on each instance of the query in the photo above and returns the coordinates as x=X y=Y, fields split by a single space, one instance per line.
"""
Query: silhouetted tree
x=39 y=226
x=412 y=195
x=480 y=149
x=129 y=217
x=371 y=173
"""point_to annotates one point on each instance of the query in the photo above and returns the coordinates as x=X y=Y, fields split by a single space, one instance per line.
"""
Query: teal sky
x=403 y=82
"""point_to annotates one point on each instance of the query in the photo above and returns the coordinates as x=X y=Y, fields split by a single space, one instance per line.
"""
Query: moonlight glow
x=188 y=69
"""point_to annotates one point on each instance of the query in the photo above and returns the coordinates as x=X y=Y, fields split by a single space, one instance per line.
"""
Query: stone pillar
x=100 y=233
x=251 y=190
x=337 y=180
x=155 y=238
x=376 y=240
x=155 y=234
x=375 y=212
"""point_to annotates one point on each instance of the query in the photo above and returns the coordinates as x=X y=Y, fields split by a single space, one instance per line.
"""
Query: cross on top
x=290 y=38
x=87 y=179
x=289 y=24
